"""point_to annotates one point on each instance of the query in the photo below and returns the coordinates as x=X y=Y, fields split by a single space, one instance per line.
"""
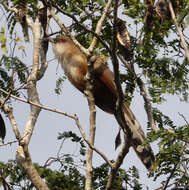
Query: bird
x=74 y=63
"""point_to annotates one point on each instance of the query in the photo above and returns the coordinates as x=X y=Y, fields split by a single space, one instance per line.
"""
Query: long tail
x=145 y=153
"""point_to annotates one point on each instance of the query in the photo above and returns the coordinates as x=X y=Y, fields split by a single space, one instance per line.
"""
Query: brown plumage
x=74 y=64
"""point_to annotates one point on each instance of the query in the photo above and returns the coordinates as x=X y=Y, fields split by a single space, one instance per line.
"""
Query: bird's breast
x=75 y=72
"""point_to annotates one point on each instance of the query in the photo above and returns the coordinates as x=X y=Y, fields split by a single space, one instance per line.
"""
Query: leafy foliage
x=74 y=138
x=59 y=83
x=11 y=68
x=68 y=176
x=172 y=158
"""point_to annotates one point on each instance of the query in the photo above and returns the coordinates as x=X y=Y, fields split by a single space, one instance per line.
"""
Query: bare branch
x=6 y=6
x=58 y=21
x=148 y=106
x=31 y=83
x=88 y=142
x=91 y=102
x=184 y=44
x=187 y=123
x=119 y=115
x=38 y=105
x=119 y=104
x=62 y=113
x=118 y=162
x=9 y=143
x=88 y=51
x=8 y=111
x=61 y=25
x=100 y=24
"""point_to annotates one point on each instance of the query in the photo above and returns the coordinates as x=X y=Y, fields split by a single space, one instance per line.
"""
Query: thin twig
x=88 y=51
x=179 y=29
x=39 y=105
x=88 y=142
x=100 y=24
x=65 y=114
x=169 y=178
x=118 y=162
x=183 y=118
x=9 y=143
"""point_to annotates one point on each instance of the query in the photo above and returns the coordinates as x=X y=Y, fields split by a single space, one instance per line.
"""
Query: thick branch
x=91 y=102
x=31 y=83
x=32 y=173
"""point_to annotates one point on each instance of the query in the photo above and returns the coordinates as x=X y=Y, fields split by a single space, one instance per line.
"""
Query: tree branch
x=118 y=162
x=88 y=142
x=119 y=112
x=31 y=83
x=65 y=114
x=88 y=51
x=169 y=178
x=38 y=105
x=183 y=42
x=63 y=28
x=100 y=24
x=8 y=111
x=89 y=94
x=6 y=6
x=140 y=83
x=32 y=173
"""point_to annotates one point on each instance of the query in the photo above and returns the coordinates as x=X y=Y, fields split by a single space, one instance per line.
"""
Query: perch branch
x=91 y=103
x=119 y=112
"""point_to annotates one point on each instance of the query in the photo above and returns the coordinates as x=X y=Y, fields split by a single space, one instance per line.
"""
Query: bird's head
x=61 y=44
